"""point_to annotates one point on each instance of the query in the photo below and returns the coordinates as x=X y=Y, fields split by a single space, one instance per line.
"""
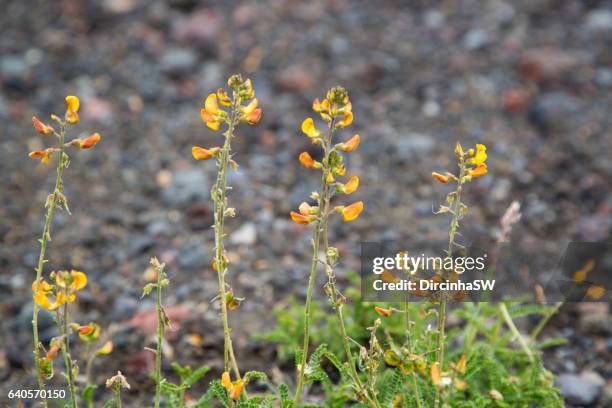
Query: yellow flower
x=462 y=364
x=459 y=149
x=307 y=161
x=383 y=312
x=89 y=142
x=42 y=291
x=78 y=280
x=72 y=109
x=234 y=389
x=43 y=154
x=226 y=380
x=309 y=128
x=200 y=153
x=224 y=98
x=106 y=349
x=351 y=185
x=481 y=155
x=351 y=212
x=350 y=144
x=435 y=374
x=479 y=171
x=307 y=209
x=340 y=170
x=42 y=128
x=347 y=119
x=211 y=114
x=210 y=104
x=440 y=177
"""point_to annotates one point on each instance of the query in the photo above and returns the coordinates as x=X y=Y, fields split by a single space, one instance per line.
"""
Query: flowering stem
x=161 y=324
x=220 y=203
x=118 y=395
x=66 y=348
x=415 y=387
x=451 y=243
x=41 y=257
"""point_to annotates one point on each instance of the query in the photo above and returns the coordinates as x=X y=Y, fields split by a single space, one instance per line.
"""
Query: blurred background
x=531 y=79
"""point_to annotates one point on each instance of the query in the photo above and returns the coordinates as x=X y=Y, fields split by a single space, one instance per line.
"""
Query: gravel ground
x=531 y=79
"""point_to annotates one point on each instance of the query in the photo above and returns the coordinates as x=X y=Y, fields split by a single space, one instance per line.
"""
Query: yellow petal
x=72 y=104
x=107 y=348
x=226 y=380
x=211 y=105
x=351 y=185
x=214 y=125
x=199 y=153
x=79 y=280
x=236 y=390
x=435 y=374
x=250 y=107
x=42 y=300
x=309 y=129
x=481 y=155
x=347 y=119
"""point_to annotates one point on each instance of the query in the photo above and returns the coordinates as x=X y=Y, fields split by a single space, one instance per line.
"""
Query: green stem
x=451 y=242
x=307 y=309
x=536 y=331
x=504 y=311
x=118 y=396
x=415 y=386
x=220 y=204
x=41 y=257
x=66 y=350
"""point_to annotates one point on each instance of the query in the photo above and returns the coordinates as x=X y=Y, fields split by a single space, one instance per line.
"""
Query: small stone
x=295 y=79
x=178 y=61
x=547 y=64
x=245 y=235
x=475 y=39
x=599 y=20
x=187 y=186
x=583 y=389
x=414 y=144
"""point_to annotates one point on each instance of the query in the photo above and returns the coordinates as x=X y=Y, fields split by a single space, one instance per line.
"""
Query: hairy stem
x=220 y=204
x=161 y=323
x=66 y=350
x=451 y=243
x=44 y=239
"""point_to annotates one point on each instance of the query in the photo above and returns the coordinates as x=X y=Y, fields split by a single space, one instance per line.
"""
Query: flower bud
x=200 y=153
x=440 y=177
x=350 y=144
x=383 y=312
x=42 y=128
x=72 y=109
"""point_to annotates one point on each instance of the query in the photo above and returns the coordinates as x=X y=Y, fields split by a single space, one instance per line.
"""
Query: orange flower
x=350 y=144
x=254 y=117
x=42 y=128
x=479 y=171
x=236 y=390
x=435 y=374
x=200 y=153
x=307 y=161
x=351 y=185
x=383 y=312
x=300 y=218
x=72 y=109
x=351 y=212
x=347 y=119
x=43 y=154
x=440 y=177
x=90 y=141
x=462 y=364
x=53 y=350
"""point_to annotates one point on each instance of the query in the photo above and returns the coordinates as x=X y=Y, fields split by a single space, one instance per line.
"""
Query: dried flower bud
x=496 y=395
x=117 y=381
x=42 y=128
x=224 y=98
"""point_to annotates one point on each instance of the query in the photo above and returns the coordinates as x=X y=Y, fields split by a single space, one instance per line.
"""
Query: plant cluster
x=368 y=355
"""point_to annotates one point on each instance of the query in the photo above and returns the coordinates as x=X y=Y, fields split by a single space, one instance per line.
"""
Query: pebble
x=245 y=235
x=414 y=144
x=582 y=389
x=187 y=186
x=599 y=20
x=178 y=61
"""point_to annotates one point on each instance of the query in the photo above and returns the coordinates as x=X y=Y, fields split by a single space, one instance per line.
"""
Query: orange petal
x=236 y=390
x=479 y=171
x=226 y=380
x=347 y=119
x=435 y=374
x=200 y=153
x=440 y=177
x=79 y=280
x=300 y=219
x=307 y=161
x=254 y=117
x=350 y=144
x=383 y=312
x=91 y=141
x=41 y=128
x=351 y=212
